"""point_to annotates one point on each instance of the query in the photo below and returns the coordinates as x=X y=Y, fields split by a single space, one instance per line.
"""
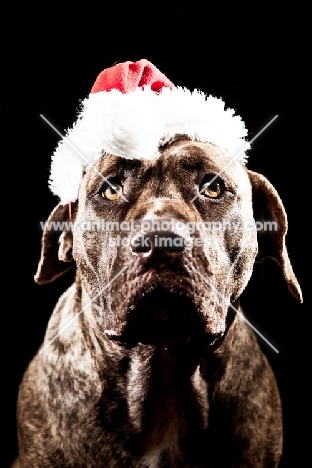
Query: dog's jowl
x=147 y=360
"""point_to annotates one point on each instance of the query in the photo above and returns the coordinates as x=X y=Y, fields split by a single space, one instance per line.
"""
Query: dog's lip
x=176 y=288
x=177 y=279
x=166 y=276
x=161 y=317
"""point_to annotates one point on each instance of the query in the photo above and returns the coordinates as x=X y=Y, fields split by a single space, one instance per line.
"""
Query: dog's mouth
x=161 y=317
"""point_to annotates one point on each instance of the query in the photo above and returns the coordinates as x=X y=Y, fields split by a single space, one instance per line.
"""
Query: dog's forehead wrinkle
x=108 y=166
x=189 y=151
x=206 y=158
x=196 y=152
x=102 y=165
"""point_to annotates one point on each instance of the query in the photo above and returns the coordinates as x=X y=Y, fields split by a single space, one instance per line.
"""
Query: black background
x=255 y=62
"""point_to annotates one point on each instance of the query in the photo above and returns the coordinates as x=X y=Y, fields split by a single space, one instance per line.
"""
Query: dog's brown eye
x=212 y=188
x=112 y=192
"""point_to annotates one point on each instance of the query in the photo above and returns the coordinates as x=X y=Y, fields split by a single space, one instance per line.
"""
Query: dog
x=147 y=360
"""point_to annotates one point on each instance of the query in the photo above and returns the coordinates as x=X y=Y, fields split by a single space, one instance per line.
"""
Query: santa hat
x=131 y=111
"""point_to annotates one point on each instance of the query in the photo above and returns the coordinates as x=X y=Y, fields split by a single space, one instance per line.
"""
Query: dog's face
x=188 y=242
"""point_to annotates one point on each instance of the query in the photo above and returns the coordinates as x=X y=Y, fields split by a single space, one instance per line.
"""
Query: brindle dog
x=157 y=369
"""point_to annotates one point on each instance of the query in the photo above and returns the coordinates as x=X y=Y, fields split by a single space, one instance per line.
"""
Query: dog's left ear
x=268 y=206
x=56 y=246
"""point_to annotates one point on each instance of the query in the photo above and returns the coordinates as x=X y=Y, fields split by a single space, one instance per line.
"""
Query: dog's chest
x=167 y=404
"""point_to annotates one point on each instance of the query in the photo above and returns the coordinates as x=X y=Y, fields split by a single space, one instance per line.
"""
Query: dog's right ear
x=56 y=246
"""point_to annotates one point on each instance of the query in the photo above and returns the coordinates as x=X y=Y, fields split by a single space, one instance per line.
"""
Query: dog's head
x=185 y=229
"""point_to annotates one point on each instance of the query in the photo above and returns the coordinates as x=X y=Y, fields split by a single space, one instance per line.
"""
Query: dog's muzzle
x=159 y=299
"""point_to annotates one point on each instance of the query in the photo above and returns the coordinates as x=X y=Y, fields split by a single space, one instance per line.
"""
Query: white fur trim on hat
x=135 y=125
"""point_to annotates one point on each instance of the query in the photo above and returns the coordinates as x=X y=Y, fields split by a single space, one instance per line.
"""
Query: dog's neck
x=166 y=393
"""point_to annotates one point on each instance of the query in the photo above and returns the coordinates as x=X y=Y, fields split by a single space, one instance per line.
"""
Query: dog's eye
x=112 y=190
x=212 y=187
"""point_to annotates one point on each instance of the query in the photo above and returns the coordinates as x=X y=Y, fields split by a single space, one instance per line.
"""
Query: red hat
x=127 y=76
x=132 y=110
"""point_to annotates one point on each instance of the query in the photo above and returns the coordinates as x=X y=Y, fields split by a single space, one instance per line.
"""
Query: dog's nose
x=145 y=244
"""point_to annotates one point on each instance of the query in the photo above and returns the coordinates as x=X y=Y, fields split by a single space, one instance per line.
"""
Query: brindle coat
x=158 y=370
